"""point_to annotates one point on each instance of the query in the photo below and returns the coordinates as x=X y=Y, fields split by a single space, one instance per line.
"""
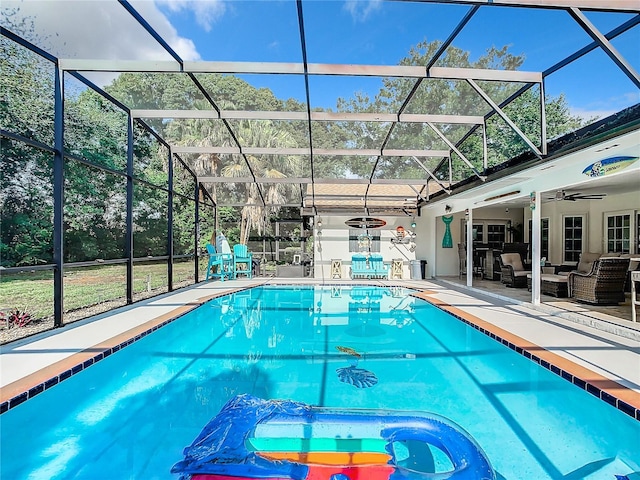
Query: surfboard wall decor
x=609 y=165
x=365 y=222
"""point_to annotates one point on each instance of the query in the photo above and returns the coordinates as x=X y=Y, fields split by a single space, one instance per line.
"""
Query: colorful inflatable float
x=252 y=438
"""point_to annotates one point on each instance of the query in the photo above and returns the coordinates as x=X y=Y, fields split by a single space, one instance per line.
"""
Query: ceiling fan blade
x=587 y=196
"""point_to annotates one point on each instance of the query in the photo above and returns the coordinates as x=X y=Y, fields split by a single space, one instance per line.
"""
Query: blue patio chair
x=378 y=267
x=219 y=265
x=242 y=256
x=359 y=267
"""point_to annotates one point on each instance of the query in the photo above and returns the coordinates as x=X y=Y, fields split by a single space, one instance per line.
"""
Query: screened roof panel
x=89 y=27
x=153 y=91
x=343 y=166
x=253 y=132
x=341 y=32
x=410 y=136
x=627 y=44
x=607 y=21
x=350 y=91
x=326 y=91
x=541 y=37
x=271 y=91
x=199 y=134
x=407 y=168
x=498 y=92
x=233 y=194
x=236 y=31
x=362 y=134
x=281 y=194
x=599 y=91
x=446 y=97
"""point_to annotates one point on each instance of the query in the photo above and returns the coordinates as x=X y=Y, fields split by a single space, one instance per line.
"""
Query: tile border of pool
x=615 y=394
x=610 y=391
x=22 y=390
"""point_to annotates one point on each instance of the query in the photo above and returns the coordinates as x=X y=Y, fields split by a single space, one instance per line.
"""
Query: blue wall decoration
x=447 y=241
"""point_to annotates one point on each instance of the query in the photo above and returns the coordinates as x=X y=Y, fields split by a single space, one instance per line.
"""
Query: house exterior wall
x=595 y=212
x=332 y=242
x=445 y=260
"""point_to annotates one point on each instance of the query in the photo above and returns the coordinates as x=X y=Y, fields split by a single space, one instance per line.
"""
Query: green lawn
x=33 y=291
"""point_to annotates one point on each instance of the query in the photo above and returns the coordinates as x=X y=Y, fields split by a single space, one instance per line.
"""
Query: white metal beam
x=315 y=116
x=307 y=151
x=325 y=181
x=94 y=65
x=606 y=5
x=405 y=71
x=391 y=152
x=453 y=73
x=244 y=67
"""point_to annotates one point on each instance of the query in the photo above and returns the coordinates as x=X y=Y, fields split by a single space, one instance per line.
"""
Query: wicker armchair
x=603 y=285
x=513 y=271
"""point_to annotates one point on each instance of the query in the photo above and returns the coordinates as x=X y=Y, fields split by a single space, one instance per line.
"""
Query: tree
x=26 y=209
x=456 y=97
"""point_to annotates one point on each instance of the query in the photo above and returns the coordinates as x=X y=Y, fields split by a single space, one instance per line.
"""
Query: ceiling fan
x=572 y=197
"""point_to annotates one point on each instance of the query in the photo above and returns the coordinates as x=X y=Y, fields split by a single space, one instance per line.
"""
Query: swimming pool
x=131 y=414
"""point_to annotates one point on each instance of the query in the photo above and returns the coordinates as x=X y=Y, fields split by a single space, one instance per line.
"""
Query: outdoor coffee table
x=554 y=285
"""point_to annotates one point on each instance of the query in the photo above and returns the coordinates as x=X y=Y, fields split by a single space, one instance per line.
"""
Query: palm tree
x=263 y=134
x=250 y=133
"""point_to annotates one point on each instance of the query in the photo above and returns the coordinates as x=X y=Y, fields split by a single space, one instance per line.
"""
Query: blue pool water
x=130 y=415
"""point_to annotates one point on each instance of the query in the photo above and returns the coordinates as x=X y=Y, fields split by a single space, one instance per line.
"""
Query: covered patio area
x=615 y=315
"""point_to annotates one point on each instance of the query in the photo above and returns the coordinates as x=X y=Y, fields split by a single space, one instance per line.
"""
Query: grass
x=83 y=287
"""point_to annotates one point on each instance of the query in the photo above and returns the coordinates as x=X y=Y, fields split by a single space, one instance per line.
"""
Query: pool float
x=252 y=438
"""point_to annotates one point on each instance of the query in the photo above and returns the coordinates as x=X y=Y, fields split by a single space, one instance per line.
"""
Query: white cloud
x=96 y=29
x=206 y=12
x=360 y=9
x=606 y=107
x=587 y=114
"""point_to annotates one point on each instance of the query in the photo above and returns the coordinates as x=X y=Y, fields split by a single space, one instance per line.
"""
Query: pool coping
x=610 y=391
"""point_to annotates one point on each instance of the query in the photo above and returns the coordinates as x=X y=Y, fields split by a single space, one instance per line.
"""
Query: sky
x=369 y=32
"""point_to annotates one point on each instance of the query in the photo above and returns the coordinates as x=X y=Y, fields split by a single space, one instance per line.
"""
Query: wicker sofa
x=603 y=284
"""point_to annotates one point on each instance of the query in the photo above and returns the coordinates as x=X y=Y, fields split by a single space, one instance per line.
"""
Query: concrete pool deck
x=606 y=358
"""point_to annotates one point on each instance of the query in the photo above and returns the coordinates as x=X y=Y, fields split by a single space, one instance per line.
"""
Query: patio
x=614 y=314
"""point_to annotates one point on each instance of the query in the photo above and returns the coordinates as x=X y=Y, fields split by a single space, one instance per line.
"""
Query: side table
x=396 y=268
x=336 y=268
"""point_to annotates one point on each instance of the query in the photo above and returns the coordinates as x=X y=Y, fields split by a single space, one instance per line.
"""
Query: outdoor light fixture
x=319 y=223
x=413 y=223
x=447 y=208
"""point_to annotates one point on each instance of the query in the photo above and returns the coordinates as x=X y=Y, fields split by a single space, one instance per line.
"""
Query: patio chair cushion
x=514 y=260
x=586 y=262
x=513 y=271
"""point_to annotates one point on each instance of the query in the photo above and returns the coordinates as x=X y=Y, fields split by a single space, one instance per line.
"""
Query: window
x=358 y=241
x=573 y=231
x=544 y=236
x=477 y=232
x=618 y=233
x=496 y=236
